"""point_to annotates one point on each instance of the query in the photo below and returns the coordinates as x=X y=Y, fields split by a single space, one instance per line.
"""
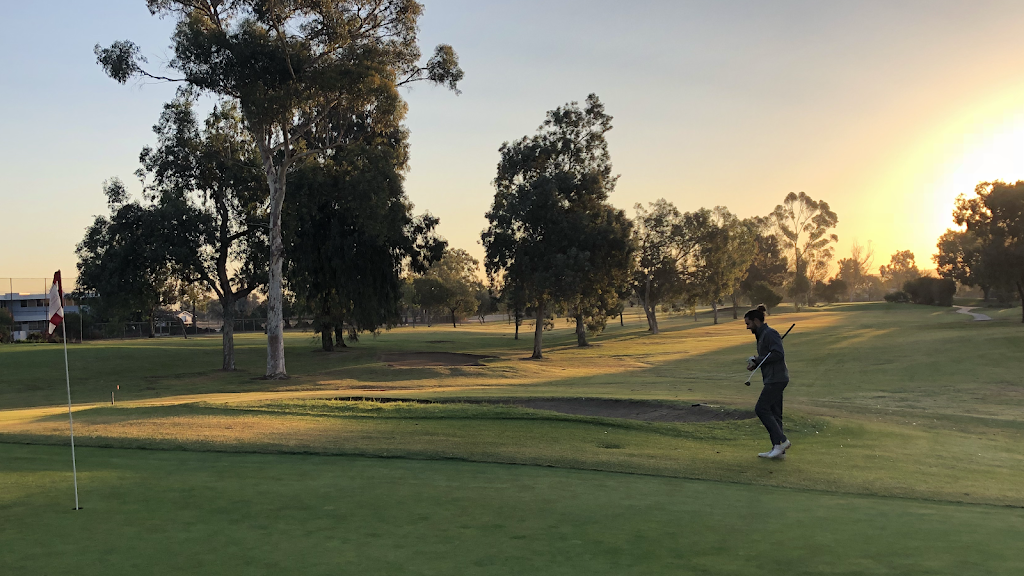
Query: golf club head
x=747 y=383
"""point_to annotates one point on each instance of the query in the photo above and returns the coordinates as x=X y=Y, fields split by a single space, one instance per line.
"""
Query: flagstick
x=71 y=420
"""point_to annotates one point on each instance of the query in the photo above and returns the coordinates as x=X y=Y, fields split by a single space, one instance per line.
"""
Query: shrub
x=763 y=293
x=6 y=325
x=898 y=296
x=931 y=291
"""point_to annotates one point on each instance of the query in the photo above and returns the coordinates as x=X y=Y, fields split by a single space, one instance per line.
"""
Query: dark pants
x=769 y=410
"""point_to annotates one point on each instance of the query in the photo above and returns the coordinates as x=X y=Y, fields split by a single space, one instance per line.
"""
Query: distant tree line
x=988 y=250
x=308 y=103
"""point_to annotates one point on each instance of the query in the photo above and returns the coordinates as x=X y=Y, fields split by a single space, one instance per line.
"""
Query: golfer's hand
x=751 y=363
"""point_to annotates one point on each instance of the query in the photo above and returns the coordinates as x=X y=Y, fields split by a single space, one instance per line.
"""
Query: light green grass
x=860 y=456
x=151 y=512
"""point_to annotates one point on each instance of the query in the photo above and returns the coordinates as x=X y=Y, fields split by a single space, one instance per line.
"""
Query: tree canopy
x=551 y=231
x=133 y=258
x=803 y=226
x=660 y=246
x=450 y=284
x=901 y=269
x=854 y=271
x=722 y=250
x=995 y=216
x=215 y=169
x=351 y=235
x=298 y=71
x=959 y=258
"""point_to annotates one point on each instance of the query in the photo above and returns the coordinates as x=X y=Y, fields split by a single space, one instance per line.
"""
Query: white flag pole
x=71 y=420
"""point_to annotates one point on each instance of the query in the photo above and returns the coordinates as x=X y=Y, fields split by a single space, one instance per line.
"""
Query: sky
x=886 y=110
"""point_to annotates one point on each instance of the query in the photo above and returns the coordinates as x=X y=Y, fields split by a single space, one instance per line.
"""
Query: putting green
x=152 y=512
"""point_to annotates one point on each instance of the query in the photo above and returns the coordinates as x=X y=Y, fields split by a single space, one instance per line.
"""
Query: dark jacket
x=774 y=370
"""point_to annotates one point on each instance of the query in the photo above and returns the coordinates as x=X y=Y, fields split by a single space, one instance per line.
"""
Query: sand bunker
x=425 y=359
x=642 y=410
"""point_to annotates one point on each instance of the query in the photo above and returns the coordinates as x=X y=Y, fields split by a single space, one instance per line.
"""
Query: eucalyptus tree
x=551 y=209
x=351 y=236
x=737 y=252
x=995 y=216
x=901 y=269
x=604 y=234
x=132 y=257
x=768 y=265
x=297 y=70
x=803 y=226
x=722 y=248
x=959 y=257
x=216 y=169
x=657 y=276
x=451 y=284
x=855 y=270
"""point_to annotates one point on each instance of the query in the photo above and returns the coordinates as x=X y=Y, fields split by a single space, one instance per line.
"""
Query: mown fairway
x=916 y=404
x=150 y=512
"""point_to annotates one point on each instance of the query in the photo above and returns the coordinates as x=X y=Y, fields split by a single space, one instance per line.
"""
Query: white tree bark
x=275 y=319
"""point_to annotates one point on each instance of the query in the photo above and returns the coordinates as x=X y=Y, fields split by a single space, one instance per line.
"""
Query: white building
x=31 y=311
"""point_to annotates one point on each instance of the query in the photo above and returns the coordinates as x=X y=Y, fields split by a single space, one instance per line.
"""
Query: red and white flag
x=56 y=302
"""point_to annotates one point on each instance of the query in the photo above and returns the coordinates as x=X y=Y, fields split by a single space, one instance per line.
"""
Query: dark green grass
x=151 y=512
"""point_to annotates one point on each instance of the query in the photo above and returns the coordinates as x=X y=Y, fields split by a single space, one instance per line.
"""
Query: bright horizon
x=885 y=112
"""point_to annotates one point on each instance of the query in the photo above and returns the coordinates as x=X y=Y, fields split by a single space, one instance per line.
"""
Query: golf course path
x=967 y=310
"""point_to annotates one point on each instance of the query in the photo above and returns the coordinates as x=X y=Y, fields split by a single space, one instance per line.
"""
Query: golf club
x=751 y=375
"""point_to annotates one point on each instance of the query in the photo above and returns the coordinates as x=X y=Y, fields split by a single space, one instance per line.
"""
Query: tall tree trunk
x=519 y=322
x=538 y=332
x=652 y=319
x=453 y=318
x=227 y=334
x=621 y=321
x=985 y=290
x=1020 y=292
x=714 y=308
x=327 y=338
x=152 y=323
x=275 y=322
x=735 y=306
x=649 y=308
x=581 y=331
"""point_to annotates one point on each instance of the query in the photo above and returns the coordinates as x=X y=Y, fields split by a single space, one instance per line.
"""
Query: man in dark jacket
x=775 y=374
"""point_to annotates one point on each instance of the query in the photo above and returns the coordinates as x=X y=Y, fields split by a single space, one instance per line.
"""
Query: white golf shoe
x=778 y=452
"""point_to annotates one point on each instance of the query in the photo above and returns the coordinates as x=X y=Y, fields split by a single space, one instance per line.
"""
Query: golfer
x=775 y=375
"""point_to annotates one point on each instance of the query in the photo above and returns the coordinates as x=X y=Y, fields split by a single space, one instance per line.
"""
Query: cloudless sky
x=886 y=110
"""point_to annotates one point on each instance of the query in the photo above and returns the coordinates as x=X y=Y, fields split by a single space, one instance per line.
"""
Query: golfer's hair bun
x=761 y=308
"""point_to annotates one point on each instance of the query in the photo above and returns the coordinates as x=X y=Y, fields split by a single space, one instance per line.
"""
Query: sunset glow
x=913 y=200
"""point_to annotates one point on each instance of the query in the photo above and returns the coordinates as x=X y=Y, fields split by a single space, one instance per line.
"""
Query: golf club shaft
x=788 y=331
x=755 y=369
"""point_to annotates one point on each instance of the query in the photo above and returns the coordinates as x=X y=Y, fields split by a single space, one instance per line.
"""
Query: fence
x=162 y=328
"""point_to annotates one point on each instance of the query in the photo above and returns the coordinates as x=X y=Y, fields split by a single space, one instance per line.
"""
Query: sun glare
x=983 y=144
